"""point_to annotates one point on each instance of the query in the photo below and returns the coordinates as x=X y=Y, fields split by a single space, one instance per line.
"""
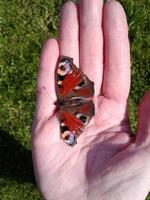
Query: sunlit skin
x=107 y=163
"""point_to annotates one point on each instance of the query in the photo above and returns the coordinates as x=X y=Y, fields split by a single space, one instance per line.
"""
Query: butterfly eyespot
x=80 y=85
x=82 y=117
x=70 y=139
x=64 y=67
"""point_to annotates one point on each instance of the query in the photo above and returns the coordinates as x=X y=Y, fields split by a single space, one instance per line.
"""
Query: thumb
x=143 y=127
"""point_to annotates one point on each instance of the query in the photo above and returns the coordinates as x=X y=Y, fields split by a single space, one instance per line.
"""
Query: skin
x=107 y=163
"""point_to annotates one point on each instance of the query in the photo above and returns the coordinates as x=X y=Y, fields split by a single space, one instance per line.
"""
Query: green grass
x=24 y=25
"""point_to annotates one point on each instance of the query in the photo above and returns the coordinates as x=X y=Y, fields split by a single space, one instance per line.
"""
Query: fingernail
x=107 y=1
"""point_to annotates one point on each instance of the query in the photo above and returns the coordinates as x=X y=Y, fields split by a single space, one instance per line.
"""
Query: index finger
x=46 y=94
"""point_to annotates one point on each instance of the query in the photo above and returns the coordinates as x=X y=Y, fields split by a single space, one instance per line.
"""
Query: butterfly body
x=71 y=102
x=74 y=100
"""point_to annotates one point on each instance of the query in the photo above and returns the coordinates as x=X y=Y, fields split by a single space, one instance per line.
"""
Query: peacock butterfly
x=74 y=100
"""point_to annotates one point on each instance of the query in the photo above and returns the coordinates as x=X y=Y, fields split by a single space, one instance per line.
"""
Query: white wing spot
x=59 y=82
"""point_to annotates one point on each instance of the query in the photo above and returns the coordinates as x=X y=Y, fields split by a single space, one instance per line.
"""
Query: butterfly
x=74 y=100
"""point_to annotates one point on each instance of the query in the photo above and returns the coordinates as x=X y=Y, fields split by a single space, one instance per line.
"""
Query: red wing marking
x=70 y=82
x=84 y=109
x=83 y=92
x=74 y=124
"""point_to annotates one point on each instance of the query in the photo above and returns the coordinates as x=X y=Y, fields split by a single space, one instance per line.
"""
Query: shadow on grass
x=15 y=160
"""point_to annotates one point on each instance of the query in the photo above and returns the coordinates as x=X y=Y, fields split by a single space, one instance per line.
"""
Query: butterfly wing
x=71 y=82
x=74 y=120
x=74 y=91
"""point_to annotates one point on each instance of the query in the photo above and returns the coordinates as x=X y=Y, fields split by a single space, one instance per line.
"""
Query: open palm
x=106 y=163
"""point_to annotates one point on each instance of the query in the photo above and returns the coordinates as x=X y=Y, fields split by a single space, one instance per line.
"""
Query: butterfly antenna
x=48 y=94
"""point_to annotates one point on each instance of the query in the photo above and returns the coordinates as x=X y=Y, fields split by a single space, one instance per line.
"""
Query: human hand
x=106 y=163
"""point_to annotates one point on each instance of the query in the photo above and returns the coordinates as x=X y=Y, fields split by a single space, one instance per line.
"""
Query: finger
x=91 y=40
x=116 y=82
x=68 y=35
x=46 y=79
x=143 y=127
